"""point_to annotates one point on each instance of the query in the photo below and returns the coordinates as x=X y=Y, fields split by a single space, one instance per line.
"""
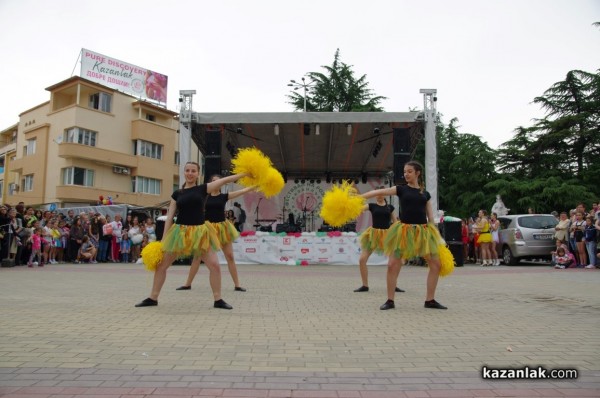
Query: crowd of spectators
x=37 y=237
x=576 y=234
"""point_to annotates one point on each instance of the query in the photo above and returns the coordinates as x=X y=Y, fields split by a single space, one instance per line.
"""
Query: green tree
x=337 y=90
x=553 y=164
x=465 y=166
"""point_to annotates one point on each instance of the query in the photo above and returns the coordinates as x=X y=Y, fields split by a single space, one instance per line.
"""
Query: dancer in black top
x=372 y=239
x=226 y=232
x=414 y=236
x=190 y=235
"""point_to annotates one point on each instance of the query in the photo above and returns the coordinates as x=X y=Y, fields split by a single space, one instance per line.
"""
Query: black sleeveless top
x=413 y=204
x=190 y=205
x=215 y=207
x=381 y=215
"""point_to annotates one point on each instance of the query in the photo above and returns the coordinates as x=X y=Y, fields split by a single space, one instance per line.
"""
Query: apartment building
x=89 y=141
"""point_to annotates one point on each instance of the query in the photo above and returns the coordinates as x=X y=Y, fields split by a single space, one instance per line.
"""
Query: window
x=148 y=149
x=78 y=135
x=177 y=159
x=1 y=165
x=1 y=187
x=146 y=185
x=12 y=188
x=29 y=149
x=101 y=101
x=78 y=176
x=28 y=183
x=150 y=117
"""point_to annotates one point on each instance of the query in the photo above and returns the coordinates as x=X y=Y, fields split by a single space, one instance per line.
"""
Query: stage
x=304 y=248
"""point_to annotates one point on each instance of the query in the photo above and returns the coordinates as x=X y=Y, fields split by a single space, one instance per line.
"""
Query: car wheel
x=508 y=257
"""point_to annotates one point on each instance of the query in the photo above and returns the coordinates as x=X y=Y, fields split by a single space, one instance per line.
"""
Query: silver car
x=526 y=236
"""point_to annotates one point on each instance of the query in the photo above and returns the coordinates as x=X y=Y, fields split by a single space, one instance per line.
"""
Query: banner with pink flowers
x=122 y=76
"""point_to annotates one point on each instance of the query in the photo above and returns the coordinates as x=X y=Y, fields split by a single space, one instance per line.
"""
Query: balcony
x=153 y=132
x=70 y=150
x=76 y=193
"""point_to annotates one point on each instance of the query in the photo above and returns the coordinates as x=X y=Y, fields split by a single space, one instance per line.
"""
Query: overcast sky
x=487 y=59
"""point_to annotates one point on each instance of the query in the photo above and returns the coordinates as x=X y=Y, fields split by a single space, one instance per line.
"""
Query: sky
x=488 y=60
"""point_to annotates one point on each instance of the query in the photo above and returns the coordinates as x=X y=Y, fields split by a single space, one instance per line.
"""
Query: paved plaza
x=72 y=331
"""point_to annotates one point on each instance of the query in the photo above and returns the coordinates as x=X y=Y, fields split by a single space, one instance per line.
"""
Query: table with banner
x=307 y=248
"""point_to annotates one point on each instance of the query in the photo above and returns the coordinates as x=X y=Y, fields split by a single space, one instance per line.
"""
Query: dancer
x=414 y=236
x=226 y=231
x=372 y=238
x=190 y=235
x=485 y=238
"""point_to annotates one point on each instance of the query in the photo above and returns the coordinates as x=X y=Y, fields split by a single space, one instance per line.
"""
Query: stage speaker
x=456 y=248
x=213 y=142
x=212 y=159
x=212 y=166
x=402 y=141
x=402 y=151
x=452 y=231
x=399 y=162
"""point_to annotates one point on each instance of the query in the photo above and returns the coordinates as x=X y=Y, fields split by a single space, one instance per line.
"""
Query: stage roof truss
x=298 y=151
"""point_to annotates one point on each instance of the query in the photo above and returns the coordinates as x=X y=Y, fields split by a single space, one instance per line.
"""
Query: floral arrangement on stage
x=262 y=173
x=341 y=204
x=152 y=255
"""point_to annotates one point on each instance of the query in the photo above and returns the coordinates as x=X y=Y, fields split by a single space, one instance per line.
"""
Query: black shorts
x=578 y=236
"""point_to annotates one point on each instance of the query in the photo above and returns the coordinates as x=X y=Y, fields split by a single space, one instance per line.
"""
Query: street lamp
x=303 y=85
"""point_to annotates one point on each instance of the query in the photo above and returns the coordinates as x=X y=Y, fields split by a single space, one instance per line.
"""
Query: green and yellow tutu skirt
x=413 y=240
x=373 y=239
x=190 y=240
x=226 y=232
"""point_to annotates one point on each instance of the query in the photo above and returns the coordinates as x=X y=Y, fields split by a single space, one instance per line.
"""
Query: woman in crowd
x=150 y=229
x=414 y=236
x=75 y=239
x=191 y=235
x=117 y=232
x=214 y=211
x=485 y=238
x=589 y=238
x=578 y=228
x=136 y=235
x=372 y=239
x=494 y=229
x=105 y=239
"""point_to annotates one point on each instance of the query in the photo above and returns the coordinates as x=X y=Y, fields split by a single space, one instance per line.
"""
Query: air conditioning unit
x=121 y=170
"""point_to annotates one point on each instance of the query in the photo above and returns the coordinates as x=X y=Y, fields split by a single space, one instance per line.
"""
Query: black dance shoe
x=388 y=305
x=434 y=304
x=239 y=289
x=398 y=290
x=147 y=303
x=222 y=304
x=362 y=289
x=184 y=288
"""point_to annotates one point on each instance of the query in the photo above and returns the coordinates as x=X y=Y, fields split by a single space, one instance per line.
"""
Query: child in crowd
x=56 y=244
x=562 y=259
x=87 y=251
x=36 y=248
x=125 y=246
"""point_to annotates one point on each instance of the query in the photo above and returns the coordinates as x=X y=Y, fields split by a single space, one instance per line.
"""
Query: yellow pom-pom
x=253 y=162
x=152 y=255
x=341 y=204
x=271 y=182
x=447 y=261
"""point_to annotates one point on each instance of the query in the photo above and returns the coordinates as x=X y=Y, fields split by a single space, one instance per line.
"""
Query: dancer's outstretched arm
x=235 y=194
x=170 y=215
x=377 y=192
x=217 y=184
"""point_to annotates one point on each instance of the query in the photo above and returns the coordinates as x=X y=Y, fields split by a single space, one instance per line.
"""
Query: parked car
x=526 y=236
